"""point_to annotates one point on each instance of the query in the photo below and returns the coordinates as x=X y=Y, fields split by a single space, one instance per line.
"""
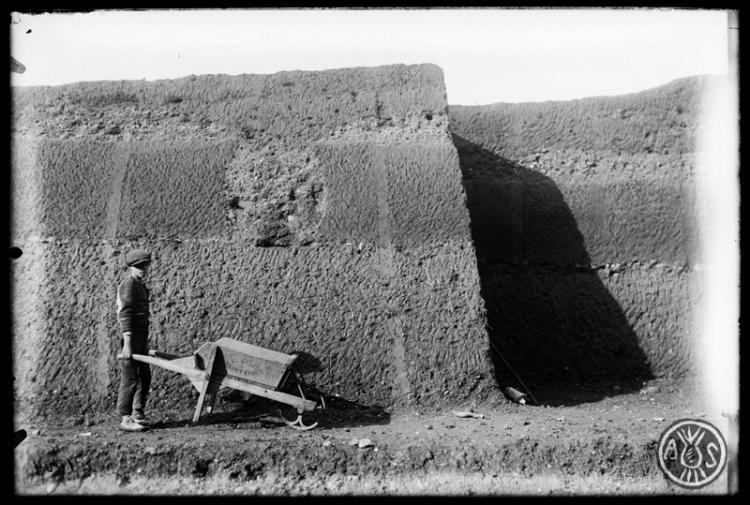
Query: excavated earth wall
x=312 y=212
x=584 y=220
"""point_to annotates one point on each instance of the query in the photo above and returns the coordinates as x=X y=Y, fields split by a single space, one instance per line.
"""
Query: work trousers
x=135 y=382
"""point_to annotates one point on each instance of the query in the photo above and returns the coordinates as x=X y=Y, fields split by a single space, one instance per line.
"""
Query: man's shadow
x=554 y=328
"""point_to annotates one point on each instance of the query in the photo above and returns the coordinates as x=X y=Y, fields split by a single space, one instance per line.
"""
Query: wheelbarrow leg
x=212 y=392
x=205 y=386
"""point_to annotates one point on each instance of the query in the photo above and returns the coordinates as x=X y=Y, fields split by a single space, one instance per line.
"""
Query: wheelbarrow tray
x=233 y=364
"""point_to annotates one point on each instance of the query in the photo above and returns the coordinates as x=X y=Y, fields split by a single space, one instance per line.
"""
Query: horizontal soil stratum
x=320 y=213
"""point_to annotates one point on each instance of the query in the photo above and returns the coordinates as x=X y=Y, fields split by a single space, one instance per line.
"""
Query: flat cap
x=137 y=256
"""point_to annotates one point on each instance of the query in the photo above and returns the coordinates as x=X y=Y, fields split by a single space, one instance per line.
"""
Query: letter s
x=711 y=454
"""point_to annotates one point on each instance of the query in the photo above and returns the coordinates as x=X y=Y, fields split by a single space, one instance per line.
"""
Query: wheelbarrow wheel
x=299 y=421
x=303 y=420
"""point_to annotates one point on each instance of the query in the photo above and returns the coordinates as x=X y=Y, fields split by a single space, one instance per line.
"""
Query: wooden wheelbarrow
x=255 y=370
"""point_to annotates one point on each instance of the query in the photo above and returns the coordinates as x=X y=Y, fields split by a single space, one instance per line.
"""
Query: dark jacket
x=132 y=306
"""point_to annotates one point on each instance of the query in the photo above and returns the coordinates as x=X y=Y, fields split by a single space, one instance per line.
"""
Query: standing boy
x=133 y=313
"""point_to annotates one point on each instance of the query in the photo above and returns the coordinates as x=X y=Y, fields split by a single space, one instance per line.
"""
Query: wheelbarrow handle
x=156 y=354
x=162 y=355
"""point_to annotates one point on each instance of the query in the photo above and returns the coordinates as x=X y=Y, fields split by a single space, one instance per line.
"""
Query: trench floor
x=606 y=446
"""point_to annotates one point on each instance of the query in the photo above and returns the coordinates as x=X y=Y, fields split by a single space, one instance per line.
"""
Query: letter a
x=670 y=452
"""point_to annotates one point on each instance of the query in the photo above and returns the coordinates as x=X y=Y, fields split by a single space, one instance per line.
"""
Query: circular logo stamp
x=692 y=453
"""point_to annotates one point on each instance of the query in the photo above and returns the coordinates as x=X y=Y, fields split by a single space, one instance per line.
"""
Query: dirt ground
x=604 y=446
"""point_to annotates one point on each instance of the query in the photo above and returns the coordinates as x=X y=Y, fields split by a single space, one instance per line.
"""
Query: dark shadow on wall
x=551 y=321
